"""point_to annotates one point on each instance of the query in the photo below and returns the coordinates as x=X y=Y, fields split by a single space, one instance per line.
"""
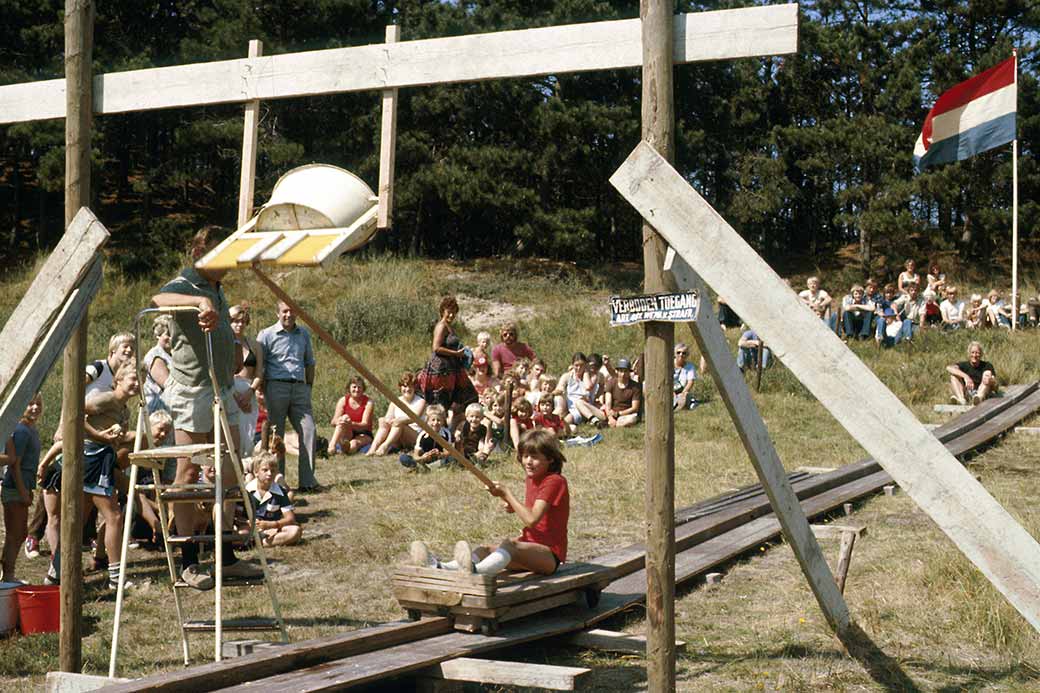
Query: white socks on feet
x=494 y=563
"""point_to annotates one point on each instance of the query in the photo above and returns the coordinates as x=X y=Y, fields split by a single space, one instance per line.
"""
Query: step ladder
x=154 y=459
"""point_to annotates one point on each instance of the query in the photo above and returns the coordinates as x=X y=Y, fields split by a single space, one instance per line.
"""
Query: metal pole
x=79 y=48
x=658 y=130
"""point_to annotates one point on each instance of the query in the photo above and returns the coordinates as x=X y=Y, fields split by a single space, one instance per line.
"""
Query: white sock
x=448 y=565
x=494 y=563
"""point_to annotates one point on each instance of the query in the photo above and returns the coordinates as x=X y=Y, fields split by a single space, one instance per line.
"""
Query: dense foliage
x=803 y=154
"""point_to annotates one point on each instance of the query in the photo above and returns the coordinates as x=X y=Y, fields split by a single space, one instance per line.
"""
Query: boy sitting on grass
x=473 y=437
x=275 y=519
x=428 y=453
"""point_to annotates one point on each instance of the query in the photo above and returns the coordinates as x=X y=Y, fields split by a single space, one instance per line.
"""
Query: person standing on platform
x=288 y=378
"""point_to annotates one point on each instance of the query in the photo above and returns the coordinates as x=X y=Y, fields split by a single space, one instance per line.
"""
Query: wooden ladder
x=153 y=458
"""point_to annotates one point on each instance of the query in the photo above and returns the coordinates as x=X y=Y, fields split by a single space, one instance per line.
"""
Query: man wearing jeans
x=289 y=375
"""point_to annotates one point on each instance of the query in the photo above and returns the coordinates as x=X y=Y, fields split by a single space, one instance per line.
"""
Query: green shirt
x=188 y=346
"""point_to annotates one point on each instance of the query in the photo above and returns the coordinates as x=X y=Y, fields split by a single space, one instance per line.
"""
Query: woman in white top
x=819 y=300
x=157 y=364
x=952 y=310
x=248 y=380
x=908 y=276
x=395 y=428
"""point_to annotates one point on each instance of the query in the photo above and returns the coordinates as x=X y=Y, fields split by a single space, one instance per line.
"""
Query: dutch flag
x=973 y=116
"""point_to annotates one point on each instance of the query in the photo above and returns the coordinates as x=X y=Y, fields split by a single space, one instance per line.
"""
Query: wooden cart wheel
x=414 y=614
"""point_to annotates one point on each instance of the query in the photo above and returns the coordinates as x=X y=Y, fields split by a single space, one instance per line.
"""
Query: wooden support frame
x=388 y=146
x=980 y=527
x=250 y=126
x=722 y=34
x=755 y=436
x=505 y=673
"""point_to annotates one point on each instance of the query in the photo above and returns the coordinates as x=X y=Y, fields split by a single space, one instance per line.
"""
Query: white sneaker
x=463 y=557
x=197 y=578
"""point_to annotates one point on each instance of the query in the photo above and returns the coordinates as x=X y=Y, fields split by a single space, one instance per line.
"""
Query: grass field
x=909 y=588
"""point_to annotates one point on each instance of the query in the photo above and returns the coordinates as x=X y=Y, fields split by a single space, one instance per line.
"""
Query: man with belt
x=289 y=375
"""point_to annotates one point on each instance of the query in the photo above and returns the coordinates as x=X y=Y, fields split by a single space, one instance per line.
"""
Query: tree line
x=803 y=154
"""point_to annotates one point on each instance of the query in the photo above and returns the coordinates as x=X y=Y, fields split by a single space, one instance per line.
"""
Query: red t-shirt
x=551 y=530
x=552 y=421
x=507 y=356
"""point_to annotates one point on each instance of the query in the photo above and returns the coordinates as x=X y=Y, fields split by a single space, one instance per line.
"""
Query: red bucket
x=39 y=608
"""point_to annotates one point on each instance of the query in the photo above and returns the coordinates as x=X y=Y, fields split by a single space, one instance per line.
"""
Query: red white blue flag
x=973 y=116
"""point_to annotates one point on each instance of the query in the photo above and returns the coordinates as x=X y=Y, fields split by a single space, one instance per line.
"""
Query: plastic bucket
x=39 y=608
x=8 y=607
x=315 y=196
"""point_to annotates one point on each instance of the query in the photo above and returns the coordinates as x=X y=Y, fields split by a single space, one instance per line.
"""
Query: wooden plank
x=951 y=408
x=995 y=426
x=838 y=530
x=388 y=146
x=251 y=120
x=433 y=597
x=717 y=35
x=503 y=673
x=447 y=576
x=755 y=437
x=63 y=270
x=570 y=577
x=980 y=527
x=215 y=675
x=47 y=350
x=613 y=641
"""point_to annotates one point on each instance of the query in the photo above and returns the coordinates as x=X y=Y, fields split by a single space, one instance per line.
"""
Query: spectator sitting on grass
x=893 y=330
x=818 y=300
x=975 y=313
x=275 y=519
x=473 y=437
x=352 y=420
x=936 y=279
x=882 y=303
x=910 y=308
x=534 y=378
x=747 y=351
x=684 y=375
x=395 y=427
x=856 y=313
x=428 y=452
x=495 y=420
x=908 y=277
x=581 y=389
x=973 y=379
x=546 y=418
x=509 y=350
x=931 y=313
x=521 y=420
x=952 y=310
x=624 y=399
x=998 y=312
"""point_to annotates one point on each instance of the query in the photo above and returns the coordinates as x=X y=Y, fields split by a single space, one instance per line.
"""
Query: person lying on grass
x=275 y=519
x=542 y=545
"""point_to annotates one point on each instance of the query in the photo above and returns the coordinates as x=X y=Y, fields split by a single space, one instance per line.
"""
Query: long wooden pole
x=250 y=123
x=371 y=377
x=79 y=48
x=658 y=119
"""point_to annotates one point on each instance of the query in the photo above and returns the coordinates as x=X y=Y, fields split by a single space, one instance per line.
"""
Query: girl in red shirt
x=352 y=420
x=542 y=545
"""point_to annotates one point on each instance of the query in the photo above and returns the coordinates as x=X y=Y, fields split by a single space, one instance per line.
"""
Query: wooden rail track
x=708 y=534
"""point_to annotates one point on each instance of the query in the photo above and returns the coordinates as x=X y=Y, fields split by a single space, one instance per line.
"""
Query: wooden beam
x=755 y=437
x=388 y=146
x=250 y=125
x=722 y=34
x=79 y=121
x=658 y=129
x=613 y=641
x=64 y=268
x=821 y=531
x=503 y=673
x=47 y=351
x=848 y=541
x=986 y=533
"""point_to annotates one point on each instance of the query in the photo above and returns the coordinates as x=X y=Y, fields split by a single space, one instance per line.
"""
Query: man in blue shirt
x=288 y=377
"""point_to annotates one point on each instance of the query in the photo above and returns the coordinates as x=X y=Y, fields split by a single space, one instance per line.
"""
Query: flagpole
x=1014 y=210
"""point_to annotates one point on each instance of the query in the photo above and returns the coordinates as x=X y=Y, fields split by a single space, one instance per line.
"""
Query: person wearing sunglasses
x=684 y=376
x=509 y=350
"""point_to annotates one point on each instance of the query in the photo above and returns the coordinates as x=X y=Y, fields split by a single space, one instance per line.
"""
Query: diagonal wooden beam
x=723 y=34
x=755 y=437
x=980 y=527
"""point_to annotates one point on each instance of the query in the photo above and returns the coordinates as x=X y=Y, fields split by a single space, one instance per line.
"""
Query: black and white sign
x=628 y=310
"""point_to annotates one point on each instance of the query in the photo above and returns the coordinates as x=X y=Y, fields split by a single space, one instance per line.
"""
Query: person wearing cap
x=892 y=330
x=683 y=377
x=624 y=398
x=973 y=379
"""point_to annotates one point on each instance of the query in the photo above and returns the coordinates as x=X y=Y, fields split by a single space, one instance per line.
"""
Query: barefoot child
x=22 y=454
x=542 y=545
x=427 y=450
x=275 y=519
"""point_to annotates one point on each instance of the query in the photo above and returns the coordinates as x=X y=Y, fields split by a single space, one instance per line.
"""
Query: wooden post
x=760 y=357
x=848 y=541
x=247 y=181
x=79 y=49
x=658 y=131
x=388 y=146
